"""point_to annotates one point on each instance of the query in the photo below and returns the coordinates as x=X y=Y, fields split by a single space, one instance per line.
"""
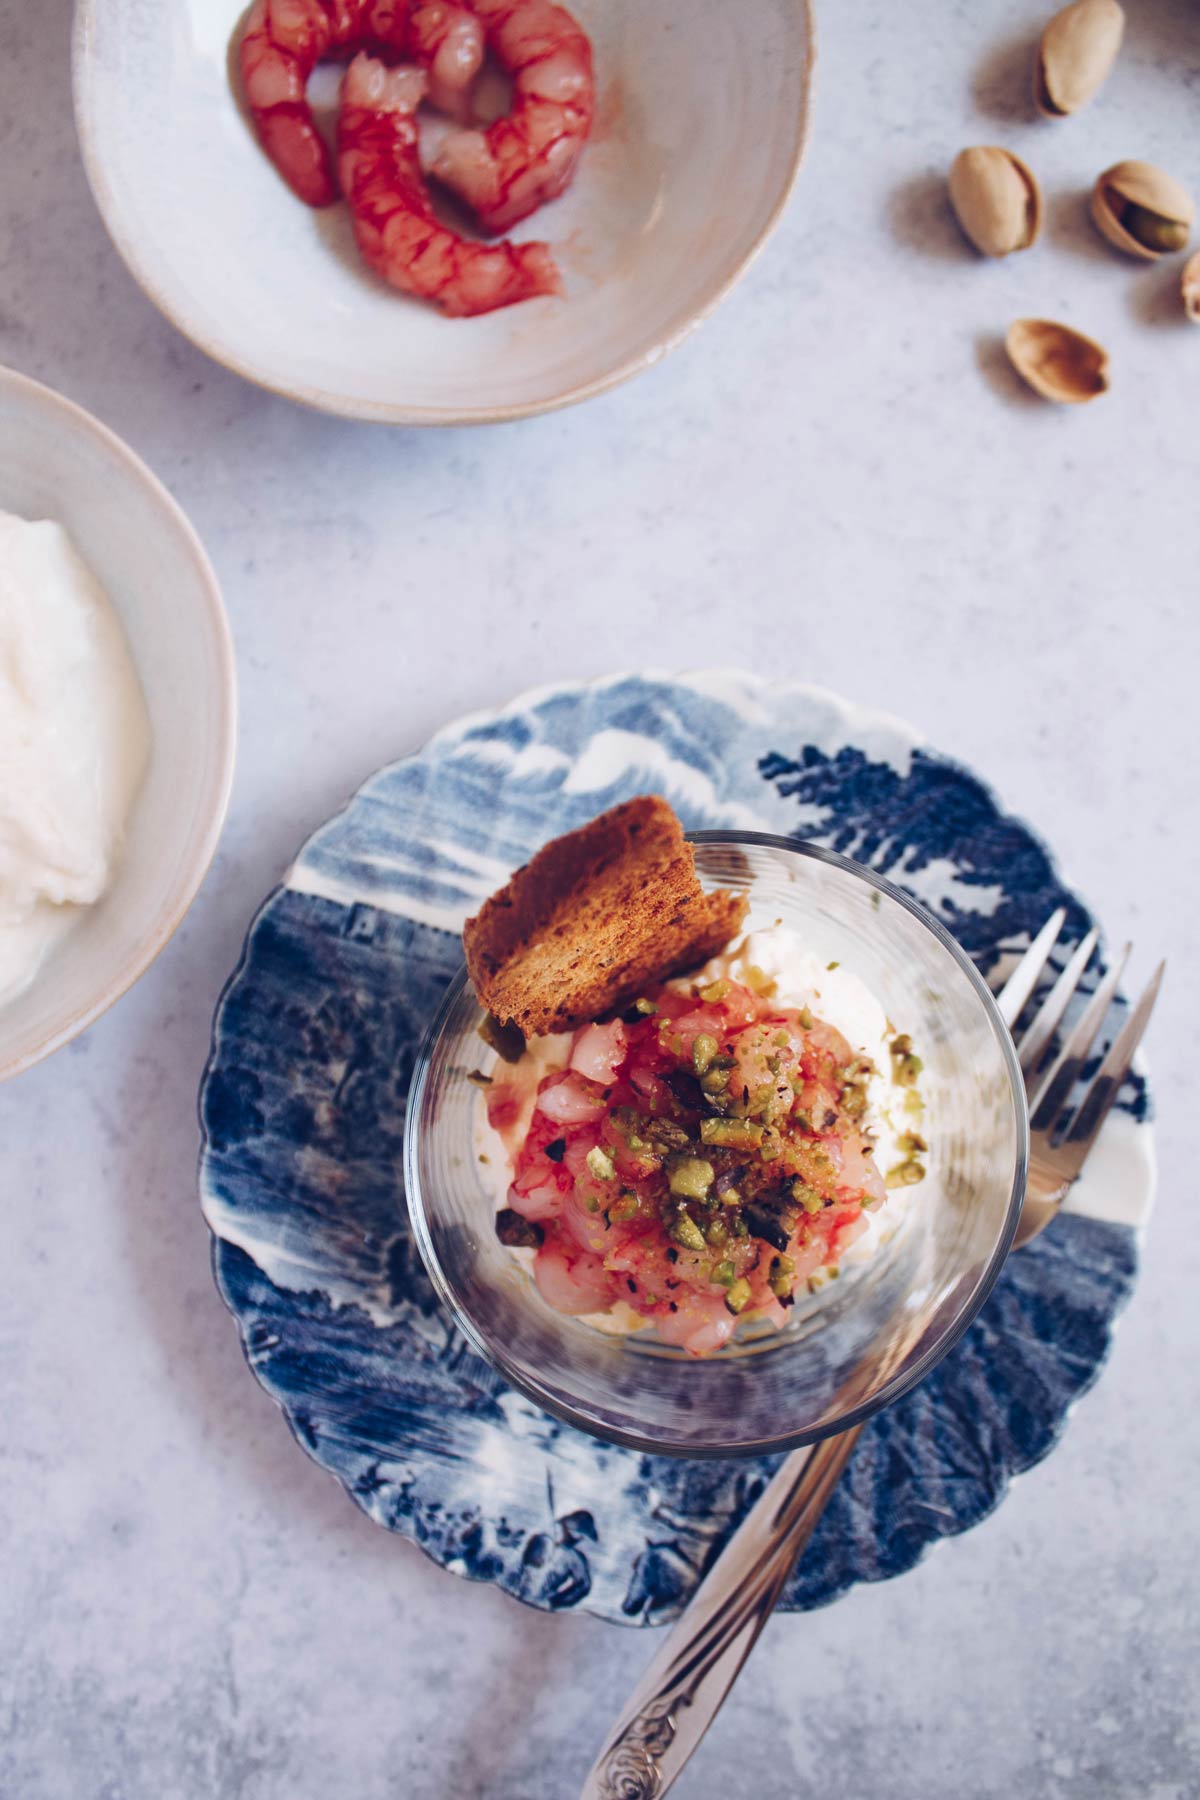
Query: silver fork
x=685 y=1685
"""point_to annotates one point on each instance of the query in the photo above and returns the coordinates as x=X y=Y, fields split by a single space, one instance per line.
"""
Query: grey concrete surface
x=836 y=478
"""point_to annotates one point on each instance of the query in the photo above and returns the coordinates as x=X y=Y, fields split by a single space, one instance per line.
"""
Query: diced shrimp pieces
x=572 y=1284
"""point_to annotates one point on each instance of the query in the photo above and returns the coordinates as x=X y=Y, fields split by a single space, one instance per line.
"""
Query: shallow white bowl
x=703 y=112
x=57 y=462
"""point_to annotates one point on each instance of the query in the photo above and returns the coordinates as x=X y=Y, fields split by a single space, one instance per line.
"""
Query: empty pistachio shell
x=1058 y=363
x=1191 y=288
x=996 y=198
x=1142 y=210
x=1078 y=48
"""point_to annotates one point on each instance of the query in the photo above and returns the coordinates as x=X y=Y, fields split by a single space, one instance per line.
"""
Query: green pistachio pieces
x=691 y=1177
x=685 y=1231
x=600 y=1164
x=738 y=1296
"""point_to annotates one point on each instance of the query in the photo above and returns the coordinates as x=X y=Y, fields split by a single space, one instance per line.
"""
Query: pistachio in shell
x=1057 y=362
x=1191 y=288
x=996 y=199
x=1077 y=50
x=1142 y=210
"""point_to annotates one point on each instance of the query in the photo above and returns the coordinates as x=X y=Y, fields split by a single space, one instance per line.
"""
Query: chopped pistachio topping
x=601 y=1164
x=624 y=1208
x=685 y=1231
x=716 y=990
x=732 y=1134
x=717 y=1232
x=782 y=1278
x=905 y=1174
x=738 y=1296
x=806 y=1019
x=808 y=1198
x=646 y=1006
x=691 y=1177
x=703 y=1051
x=725 y=1274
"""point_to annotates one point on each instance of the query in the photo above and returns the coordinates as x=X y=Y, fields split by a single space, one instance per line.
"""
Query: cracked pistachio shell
x=1058 y=363
x=1078 y=48
x=1191 y=288
x=1142 y=210
x=996 y=199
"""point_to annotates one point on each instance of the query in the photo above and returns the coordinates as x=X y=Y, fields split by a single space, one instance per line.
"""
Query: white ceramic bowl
x=703 y=111
x=57 y=462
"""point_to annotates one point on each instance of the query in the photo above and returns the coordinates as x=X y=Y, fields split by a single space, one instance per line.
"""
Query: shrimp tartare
x=696 y=1160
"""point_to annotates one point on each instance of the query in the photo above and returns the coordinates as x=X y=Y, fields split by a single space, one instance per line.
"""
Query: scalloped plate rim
x=711 y=679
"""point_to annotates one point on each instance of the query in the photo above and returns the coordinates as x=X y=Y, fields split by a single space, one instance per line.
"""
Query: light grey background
x=836 y=479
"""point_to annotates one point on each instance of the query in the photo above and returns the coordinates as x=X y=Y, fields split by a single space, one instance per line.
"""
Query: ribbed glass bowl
x=859 y=1341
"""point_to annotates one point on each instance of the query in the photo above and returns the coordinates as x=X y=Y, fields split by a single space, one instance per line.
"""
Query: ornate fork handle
x=682 y=1690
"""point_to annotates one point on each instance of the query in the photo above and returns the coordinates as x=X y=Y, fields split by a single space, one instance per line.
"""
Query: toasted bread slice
x=593 y=918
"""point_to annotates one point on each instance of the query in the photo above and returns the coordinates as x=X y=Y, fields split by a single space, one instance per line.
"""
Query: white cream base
x=74 y=741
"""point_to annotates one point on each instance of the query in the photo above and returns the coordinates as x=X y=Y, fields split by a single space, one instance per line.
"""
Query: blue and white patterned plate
x=303 y=1112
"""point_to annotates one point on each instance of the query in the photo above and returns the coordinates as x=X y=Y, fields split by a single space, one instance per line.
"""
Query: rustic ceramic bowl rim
x=385 y=412
x=160 y=931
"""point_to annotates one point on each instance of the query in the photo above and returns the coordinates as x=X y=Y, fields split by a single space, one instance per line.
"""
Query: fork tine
x=1054 y=1092
x=1024 y=978
x=1104 y=1089
x=1034 y=1044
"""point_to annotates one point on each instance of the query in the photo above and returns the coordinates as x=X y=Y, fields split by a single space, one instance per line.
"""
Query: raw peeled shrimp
x=394 y=222
x=447 y=41
x=284 y=40
x=528 y=157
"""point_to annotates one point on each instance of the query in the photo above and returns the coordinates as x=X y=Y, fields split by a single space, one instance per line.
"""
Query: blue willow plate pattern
x=303 y=1114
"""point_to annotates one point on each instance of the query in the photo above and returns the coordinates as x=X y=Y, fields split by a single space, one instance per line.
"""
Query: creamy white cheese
x=74 y=740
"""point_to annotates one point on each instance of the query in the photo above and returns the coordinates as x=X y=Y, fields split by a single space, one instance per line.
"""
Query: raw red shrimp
x=394 y=222
x=284 y=40
x=448 y=42
x=573 y=1283
x=599 y=1051
x=565 y=1098
x=699 y=1324
x=528 y=157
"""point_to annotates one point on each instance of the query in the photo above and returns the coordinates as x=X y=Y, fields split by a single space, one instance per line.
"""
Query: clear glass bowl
x=860 y=1341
